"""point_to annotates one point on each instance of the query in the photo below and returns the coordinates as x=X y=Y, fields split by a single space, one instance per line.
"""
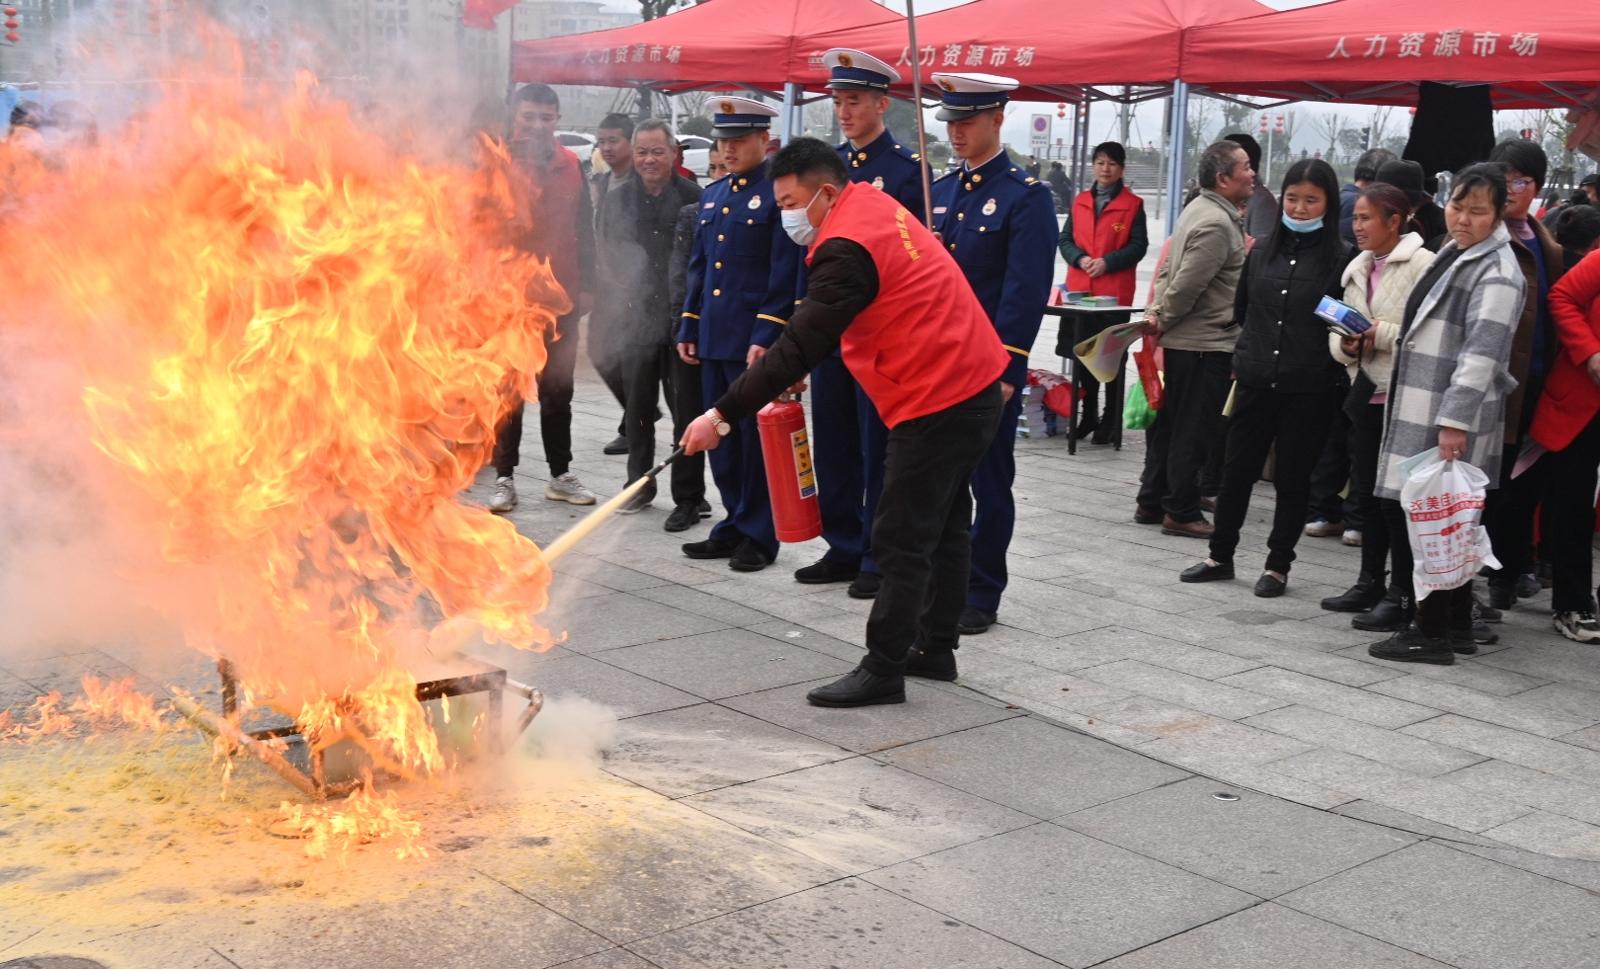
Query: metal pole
x=1165 y=157
x=916 y=97
x=1175 y=174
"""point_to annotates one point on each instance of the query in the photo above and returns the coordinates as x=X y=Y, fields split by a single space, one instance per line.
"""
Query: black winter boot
x=1366 y=593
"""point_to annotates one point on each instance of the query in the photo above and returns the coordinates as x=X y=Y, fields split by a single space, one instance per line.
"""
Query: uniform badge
x=877 y=183
x=945 y=83
x=755 y=201
x=1117 y=226
x=845 y=60
x=989 y=207
x=727 y=107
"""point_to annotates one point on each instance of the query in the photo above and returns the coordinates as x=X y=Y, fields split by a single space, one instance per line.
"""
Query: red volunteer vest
x=1099 y=236
x=925 y=343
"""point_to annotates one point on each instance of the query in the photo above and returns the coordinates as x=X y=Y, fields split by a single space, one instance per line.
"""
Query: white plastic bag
x=1443 y=502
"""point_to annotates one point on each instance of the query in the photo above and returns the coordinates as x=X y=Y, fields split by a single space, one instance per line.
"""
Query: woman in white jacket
x=1377 y=283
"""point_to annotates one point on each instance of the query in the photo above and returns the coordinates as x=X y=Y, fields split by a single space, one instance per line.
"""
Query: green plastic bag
x=1137 y=415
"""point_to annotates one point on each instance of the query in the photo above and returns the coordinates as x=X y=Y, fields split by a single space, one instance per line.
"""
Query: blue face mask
x=1301 y=225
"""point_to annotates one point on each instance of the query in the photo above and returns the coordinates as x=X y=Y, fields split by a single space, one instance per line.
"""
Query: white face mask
x=797 y=222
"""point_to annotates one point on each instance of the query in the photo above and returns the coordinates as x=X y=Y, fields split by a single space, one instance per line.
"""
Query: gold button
x=736 y=188
x=952 y=247
x=983 y=228
x=961 y=216
x=721 y=237
x=862 y=155
x=969 y=186
x=749 y=221
x=743 y=181
x=724 y=210
x=718 y=265
x=716 y=292
x=855 y=164
x=977 y=178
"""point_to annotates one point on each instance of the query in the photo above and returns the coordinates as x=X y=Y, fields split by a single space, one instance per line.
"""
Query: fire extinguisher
x=791 y=479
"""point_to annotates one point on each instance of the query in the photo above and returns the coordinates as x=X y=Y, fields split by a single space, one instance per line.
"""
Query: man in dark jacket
x=689 y=506
x=634 y=238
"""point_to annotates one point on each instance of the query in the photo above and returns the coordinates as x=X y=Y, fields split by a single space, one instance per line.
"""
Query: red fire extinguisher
x=791 y=480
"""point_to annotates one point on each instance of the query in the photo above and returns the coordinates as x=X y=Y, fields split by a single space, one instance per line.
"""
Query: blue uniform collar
x=754 y=176
x=989 y=170
x=881 y=145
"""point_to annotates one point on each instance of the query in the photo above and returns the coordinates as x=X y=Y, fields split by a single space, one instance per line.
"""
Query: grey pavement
x=1057 y=806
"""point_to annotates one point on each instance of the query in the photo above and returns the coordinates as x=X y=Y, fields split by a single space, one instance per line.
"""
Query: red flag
x=481 y=13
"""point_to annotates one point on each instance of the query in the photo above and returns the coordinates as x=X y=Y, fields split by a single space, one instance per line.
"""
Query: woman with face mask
x=1288 y=389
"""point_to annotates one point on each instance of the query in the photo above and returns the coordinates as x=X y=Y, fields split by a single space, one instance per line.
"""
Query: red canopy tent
x=762 y=44
x=1375 y=51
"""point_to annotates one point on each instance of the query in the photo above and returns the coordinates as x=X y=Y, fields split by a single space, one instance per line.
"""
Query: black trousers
x=1562 y=484
x=921 y=535
x=1366 y=437
x=1215 y=447
x=684 y=400
x=555 y=406
x=1508 y=516
x=1196 y=386
x=1445 y=611
x=1394 y=522
x=1298 y=425
x=1332 y=473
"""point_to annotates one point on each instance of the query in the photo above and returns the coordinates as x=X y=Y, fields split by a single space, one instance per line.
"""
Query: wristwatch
x=722 y=427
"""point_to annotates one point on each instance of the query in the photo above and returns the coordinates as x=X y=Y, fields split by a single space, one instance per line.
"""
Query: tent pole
x=916 y=98
x=1175 y=172
x=789 y=97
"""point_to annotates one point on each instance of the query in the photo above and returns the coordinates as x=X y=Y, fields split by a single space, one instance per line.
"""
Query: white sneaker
x=1352 y=538
x=568 y=488
x=505 y=496
x=1580 y=627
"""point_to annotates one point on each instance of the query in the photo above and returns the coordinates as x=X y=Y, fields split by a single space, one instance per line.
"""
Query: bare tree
x=1327 y=127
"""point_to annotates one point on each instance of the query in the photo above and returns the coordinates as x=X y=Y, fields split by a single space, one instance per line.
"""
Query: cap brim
x=738 y=132
x=858 y=86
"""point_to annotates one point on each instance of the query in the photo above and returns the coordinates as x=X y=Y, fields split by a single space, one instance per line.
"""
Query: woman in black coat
x=1287 y=388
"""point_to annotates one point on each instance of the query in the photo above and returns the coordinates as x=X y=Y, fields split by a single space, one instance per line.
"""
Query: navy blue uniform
x=1000 y=225
x=848 y=439
x=741 y=288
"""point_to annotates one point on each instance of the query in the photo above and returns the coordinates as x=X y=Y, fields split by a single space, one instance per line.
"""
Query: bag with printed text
x=1443 y=504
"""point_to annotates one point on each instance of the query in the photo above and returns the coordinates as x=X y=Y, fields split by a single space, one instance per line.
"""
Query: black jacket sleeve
x=587 y=270
x=1066 y=244
x=1138 y=244
x=843 y=282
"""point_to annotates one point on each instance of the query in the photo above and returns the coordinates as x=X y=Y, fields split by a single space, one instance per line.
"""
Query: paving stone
x=612 y=576
x=1302 y=659
x=1507 y=712
x=1550 y=659
x=1196 y=740
x=1113 y=643
x=1471 y=674
x=1217 y=699
x=847 y=923
x=1265 y=780
x=1503 y=743
x=1062 y=894
x=1572 y=870
x=926 y=713
x=704 y=604
x=1388 y=817
x=1032 y=686
x=1333 y=698
x=1436 y=799
x=1345 y=772
x=627 y=694
x=1510 y=919
x=1032 y=766
x=1271 y=937
x=799 y=634
x=1410 y=754
x=1564 y=699
x=1527 y=786
x=705 y=747
x=857 y=815
x=1258 y=844
x=725 y=663
x=1551 y=834
x=610 y=959
x=609 y=622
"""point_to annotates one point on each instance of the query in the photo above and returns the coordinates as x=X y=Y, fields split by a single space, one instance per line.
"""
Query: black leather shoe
x=974 y=621
x=748 y=557
x=826 y=571
x=1270 y=586
x=1085 y=428
x=1206 y=572
x=711 y=549
x=859 y=688
x=1391 y=615
x=683 y=518
x=1208 y=504
x=1462 y=642
x=931 y=666
x=1409 y=645
x=1502 y=597
x=704 y=508
x=617 y=445
x=866 y=585
x=1366 y=593
x=1143 y=515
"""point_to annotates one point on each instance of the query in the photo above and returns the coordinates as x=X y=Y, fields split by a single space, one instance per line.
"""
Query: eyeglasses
x=1519 y=184
x=651 y=152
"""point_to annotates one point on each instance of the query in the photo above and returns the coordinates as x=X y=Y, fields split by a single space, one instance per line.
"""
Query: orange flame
x=116 y=702
x=361 y=818
x=295 y=343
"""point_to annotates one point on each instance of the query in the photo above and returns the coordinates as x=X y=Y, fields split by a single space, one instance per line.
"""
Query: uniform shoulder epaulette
x=1020 y=174
x=907 y=152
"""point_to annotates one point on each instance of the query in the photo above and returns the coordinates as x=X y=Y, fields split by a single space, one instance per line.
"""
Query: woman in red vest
x=1102 y=241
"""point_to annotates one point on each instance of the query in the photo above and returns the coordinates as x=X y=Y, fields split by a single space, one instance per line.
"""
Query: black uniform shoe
x=1143 y=515
x=1483 y=612
x=617 y=445
x=748 y=557
x=1528 y=585
x=931 y=666
x=1502 y=597
x=1206 y=572
x=859 y=688
x=974 y=621
x=1391 y=615
x=1085 y=428
x=1483 y=635
x=866 y=585
x=826 y=571
x=1463 y=642
x=1409 y=645
x=711 y=548
x=1366 y=593
x=1270 y=586
x=704 y=508
x=683 y=518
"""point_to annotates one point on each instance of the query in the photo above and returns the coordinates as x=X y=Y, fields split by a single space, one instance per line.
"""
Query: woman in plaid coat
x=1449 y=385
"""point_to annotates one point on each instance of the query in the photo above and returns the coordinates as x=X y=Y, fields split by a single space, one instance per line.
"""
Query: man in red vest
x=560 y=227
x=886 y=293
x=1102 y=241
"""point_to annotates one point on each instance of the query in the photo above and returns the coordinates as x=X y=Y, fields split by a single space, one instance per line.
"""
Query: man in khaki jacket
x=1193 y=312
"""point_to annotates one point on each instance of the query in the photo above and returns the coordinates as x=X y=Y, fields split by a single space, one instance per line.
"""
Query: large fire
x=294 y=343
